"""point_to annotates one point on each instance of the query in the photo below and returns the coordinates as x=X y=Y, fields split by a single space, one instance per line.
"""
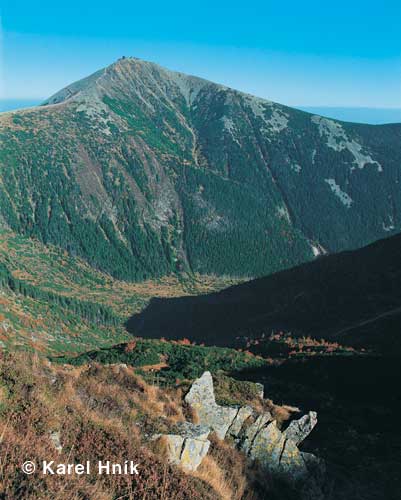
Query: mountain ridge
x=60 y=97
x=73 y=90
x=146 y=172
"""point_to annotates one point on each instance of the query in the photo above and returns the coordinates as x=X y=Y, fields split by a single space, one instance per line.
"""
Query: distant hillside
x=353 y=297
x=145 y=172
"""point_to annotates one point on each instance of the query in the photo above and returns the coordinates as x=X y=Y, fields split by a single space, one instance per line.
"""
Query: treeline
x=89 y=311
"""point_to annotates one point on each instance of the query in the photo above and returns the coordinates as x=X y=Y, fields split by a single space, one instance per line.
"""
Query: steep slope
x=145 y=172
x=353 y=297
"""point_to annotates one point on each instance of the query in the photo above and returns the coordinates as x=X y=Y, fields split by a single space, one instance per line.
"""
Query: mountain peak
x=129 y=74
x=171 y=173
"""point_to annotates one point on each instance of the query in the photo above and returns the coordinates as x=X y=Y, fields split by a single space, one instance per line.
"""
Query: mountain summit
x=131 y=74
x=145 y=172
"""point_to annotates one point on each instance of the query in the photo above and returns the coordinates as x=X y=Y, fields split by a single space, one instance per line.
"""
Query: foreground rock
x=298 y=430
x=201 y=399
x=187 y=445
x=257 y=435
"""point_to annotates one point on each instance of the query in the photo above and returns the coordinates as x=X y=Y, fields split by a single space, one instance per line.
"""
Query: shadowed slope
x=354 y=297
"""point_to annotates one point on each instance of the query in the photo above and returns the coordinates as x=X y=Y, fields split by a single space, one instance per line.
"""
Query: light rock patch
x=186 y=445
x=338 y=140
x=342 y=195
x=201 y=398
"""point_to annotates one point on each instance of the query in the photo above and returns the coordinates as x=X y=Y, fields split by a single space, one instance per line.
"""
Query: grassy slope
x=100 y=413
x=38 y=323
x=356 y=427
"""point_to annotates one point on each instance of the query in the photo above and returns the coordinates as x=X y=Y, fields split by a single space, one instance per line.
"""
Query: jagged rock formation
x=186 y=445
x=298 y=430
x=257 y=435
x=146 y=172
x=201 y=399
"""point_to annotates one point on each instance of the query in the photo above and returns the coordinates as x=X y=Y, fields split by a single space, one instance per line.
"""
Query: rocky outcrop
x=257 y=435
x=201 y=399
x=262 y=441
x=299 y=429
x=186 y=445
x=273 y=451
x=243 y=414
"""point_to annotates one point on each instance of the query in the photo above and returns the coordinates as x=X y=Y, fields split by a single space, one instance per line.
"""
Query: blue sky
x=310 y=53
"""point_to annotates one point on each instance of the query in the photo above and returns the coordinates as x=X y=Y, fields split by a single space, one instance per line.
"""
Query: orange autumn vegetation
x=100 y=413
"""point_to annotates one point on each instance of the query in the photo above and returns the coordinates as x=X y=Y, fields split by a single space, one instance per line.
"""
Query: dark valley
x=351 y=297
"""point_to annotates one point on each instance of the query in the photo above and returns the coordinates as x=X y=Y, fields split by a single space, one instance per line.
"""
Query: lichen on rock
x=186 y=445
x=201 y=399
x=256 y=434
x=299 y=429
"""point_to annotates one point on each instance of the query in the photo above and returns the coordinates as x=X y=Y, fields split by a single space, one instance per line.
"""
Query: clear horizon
x=347 y=55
